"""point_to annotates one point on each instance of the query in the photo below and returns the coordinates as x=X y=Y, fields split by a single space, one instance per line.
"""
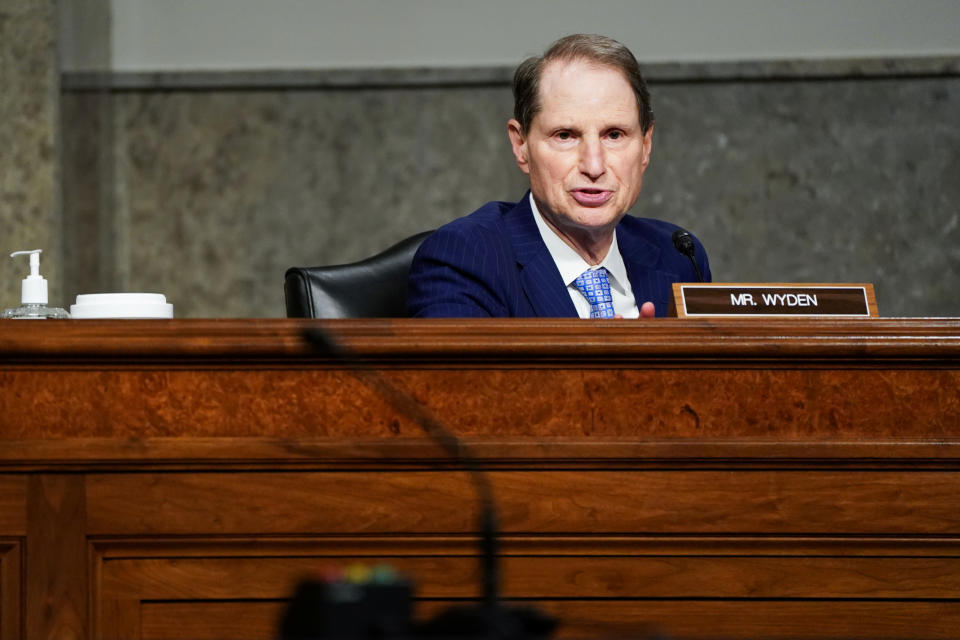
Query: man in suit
x=582 y=131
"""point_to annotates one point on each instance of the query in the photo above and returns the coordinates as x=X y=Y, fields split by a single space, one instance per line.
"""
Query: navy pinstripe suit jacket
x=493 y=263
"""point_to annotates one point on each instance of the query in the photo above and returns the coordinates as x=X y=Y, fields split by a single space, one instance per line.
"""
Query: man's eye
x=563 y=135
x=615 y=135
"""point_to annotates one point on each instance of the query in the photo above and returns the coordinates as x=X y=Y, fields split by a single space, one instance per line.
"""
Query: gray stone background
x=29 y=167
x=207 y=186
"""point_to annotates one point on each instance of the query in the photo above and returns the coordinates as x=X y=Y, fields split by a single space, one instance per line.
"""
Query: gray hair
x=599 y=49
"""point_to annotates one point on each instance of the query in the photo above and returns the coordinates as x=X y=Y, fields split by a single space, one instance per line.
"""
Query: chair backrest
x=372 y=288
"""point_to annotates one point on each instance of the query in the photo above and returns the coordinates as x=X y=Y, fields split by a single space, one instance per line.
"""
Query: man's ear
x=647 y=147
x=519 y=143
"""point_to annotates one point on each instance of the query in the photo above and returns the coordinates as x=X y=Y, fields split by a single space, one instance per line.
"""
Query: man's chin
x=597 y=218
x=593 y=220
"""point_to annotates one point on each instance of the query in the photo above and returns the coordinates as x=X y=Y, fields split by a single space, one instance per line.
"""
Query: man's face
x=585 y=152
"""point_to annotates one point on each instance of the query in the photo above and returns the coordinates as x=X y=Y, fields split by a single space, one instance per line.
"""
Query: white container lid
x=121 y=305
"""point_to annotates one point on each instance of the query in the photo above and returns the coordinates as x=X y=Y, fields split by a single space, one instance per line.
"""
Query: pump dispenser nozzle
x=34 y=286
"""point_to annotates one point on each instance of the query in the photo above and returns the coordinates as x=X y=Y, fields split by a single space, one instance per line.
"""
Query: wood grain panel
x=11 y=578
x=13 y=505
x=516 y=341
x=554 y=577
x=652 y=402
x=707 y=620
x=56 y=563
x=790 y=502
x=675 y=379
x=252 y=454
x=524 y=545
x=121 y=620
x=762 y=478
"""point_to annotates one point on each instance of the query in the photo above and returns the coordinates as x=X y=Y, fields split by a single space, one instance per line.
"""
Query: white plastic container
x=121 y=305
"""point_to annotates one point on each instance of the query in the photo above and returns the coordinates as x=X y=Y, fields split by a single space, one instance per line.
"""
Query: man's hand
x=647 y=310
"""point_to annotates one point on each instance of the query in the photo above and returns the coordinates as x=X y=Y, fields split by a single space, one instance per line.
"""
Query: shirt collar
x=569 y=262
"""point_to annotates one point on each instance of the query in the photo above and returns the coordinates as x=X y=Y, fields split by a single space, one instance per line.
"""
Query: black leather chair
x=372 y=288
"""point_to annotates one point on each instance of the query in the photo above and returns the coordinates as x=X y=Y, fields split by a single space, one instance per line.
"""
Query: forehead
x=583 y=88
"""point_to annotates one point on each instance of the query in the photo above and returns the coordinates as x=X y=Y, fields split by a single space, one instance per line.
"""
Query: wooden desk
x=776 y=479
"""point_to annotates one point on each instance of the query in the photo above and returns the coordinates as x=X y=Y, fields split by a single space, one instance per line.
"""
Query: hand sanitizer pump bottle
x=33 y=297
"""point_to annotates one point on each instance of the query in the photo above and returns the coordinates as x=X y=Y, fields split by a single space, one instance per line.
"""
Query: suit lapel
x=541 y=281
x=641 y=257
x=539 y=275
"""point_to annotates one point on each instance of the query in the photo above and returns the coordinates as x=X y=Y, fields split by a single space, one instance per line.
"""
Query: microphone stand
x=491 y=620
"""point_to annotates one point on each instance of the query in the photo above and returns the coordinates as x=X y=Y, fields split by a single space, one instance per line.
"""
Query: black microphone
x=683 y=242
x=491 y=619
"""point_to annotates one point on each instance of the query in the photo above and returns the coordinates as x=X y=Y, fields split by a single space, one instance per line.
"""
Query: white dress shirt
x=571 y=265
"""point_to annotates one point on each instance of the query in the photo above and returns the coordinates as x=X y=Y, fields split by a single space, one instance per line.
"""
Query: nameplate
x=726 y=299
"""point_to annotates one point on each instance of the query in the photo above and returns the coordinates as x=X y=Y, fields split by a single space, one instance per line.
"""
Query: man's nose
x=592 y=161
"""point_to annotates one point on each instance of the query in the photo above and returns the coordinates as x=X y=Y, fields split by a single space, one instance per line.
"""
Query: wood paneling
x=553 y=577
x=720 y=479
x=655 y=402
x=13 y=505
x=57 y=603
x=13 y=526
x=11 y=601
x=674 y=379
x=640 y=620
x=729 y=592
x=248 y=454
x=622 y=501
x=509 y=342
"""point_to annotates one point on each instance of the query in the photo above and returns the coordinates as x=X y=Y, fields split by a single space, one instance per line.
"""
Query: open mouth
x=591 y=197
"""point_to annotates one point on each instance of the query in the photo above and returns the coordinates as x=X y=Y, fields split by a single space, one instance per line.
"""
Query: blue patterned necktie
x=595 y=286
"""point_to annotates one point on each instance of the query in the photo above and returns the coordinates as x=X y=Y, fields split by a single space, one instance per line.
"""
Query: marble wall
x=206 y=187
x=844 y=180
x=29 y=165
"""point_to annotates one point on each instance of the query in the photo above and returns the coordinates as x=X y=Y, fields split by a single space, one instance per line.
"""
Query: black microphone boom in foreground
x=683 y=242
x=490 y=619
